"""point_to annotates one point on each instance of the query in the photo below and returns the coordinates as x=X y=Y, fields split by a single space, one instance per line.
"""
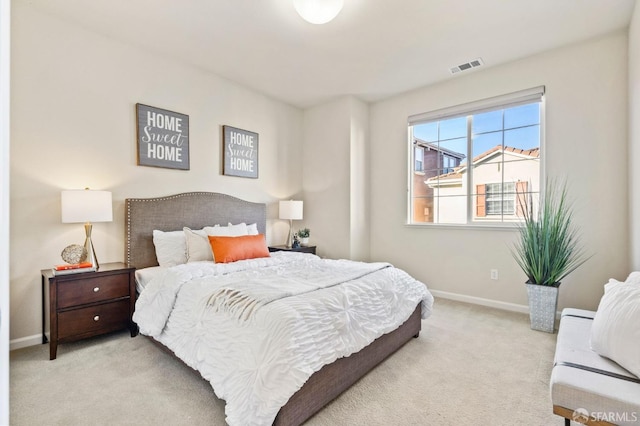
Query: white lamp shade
x=84 y=205
x=291 y=210
x=318 y=11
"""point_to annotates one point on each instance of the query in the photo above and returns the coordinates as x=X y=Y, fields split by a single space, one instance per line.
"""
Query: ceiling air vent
x=467 y=66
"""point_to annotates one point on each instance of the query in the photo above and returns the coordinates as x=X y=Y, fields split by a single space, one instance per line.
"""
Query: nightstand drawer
x=94 y=320
x=83 y=291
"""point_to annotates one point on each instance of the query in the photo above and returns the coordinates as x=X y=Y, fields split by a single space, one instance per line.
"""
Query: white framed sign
x=240 y=152
x=163 y=138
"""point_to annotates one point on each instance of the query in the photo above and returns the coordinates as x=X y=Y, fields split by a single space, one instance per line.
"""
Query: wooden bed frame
x=199 y=209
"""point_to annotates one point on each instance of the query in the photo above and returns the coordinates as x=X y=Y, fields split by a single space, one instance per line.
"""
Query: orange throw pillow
x=231 y=249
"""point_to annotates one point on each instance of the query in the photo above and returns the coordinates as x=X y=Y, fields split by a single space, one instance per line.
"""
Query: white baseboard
x=505 y=306
x=24 y=342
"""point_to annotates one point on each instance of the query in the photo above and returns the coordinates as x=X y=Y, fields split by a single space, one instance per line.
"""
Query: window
x=499 y=201
x=419 y=156
x=449 y=163
x=478 y=162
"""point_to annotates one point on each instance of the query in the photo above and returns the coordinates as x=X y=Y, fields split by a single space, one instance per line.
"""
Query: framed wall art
x=163 y=138
x=240 y=152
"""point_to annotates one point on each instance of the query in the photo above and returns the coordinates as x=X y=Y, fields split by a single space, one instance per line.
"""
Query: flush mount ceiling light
x=318 y=11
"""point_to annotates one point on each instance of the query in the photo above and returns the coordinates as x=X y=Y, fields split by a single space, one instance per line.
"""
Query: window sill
x=466 y=227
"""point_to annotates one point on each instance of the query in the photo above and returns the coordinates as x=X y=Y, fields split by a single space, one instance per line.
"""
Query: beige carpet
x=471 y=365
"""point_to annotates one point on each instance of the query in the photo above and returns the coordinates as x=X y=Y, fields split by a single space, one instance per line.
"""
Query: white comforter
x=256 y=363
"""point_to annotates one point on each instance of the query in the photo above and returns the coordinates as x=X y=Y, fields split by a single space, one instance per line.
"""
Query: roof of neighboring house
x=459 y=171
x=534 y=152
x=437 y=147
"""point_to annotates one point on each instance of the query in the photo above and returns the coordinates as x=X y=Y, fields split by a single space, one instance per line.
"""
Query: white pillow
x=611 y=284
x=198 y=247
x=227 y=231
x=615 y=332
x=171 y=249
x=197 y=242
x=633 y=278
x=252 y=229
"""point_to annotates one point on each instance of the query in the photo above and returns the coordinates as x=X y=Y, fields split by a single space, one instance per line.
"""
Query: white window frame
x=535 y=94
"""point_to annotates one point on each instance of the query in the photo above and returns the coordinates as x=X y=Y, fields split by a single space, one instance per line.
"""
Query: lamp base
x=290 y=237
x=88 y=245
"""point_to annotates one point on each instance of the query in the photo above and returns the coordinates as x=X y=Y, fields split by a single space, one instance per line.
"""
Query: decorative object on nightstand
x=300 y=249
x=74 y=253
x=73 y=268
x=290 y=210
x=77 y=306
x=76 y=257
x=303 y=235
x=85 y=205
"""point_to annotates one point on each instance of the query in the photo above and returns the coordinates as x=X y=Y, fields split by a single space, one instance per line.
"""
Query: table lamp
x=291 y=210
x=86 y=206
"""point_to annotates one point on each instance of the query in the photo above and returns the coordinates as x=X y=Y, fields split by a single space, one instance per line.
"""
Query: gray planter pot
x=543 y=304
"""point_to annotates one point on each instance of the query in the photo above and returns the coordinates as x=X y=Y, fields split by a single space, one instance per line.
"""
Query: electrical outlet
x=494 y=274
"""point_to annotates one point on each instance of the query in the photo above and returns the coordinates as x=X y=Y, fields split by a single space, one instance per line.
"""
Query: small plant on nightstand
x=303 y=235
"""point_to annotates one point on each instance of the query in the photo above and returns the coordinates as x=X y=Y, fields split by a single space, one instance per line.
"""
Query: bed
x=197 y=210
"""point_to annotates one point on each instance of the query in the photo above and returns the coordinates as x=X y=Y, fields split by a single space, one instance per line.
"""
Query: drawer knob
x=96 y=318
x=96 y=289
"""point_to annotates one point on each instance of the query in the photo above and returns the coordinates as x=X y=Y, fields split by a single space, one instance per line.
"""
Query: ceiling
x=373 y=49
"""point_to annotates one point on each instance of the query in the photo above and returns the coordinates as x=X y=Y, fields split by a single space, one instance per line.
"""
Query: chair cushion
x=608 y=398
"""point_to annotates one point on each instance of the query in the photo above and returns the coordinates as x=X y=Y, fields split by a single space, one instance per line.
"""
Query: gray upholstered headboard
x=193 y=209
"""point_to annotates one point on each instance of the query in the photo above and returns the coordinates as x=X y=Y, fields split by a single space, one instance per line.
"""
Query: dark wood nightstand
x=86 y=304
x=301 y=249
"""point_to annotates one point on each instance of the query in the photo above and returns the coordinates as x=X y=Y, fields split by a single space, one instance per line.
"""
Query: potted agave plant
x=548 y=250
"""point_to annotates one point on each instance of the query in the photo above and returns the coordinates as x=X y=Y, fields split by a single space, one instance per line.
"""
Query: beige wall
x=359 y=180
x=634 y=137
x=73 y=125
x=586 y=141
x=326 y=177
x=336 y=177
